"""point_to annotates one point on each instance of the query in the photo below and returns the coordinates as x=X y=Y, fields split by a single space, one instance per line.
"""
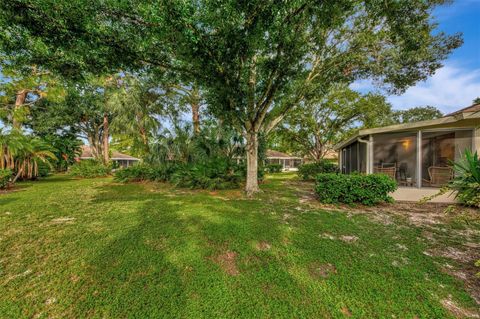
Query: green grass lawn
x=94 y=248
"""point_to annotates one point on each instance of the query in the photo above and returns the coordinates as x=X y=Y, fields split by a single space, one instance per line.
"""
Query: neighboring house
x=415 y=154
x=288 y=162
x=123 y=160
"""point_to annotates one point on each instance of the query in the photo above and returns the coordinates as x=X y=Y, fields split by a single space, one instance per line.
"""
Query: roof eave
x=408 y=126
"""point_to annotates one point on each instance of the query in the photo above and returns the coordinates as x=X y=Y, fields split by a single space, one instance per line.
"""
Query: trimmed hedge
x=5 y=175
x=354 y=188
x=311 y=170
x=89 y=169
x=273 y=168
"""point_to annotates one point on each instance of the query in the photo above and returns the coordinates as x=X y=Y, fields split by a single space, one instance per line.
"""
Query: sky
x=457 y=83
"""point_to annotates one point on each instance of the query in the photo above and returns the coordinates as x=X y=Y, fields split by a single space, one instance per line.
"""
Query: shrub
x=311 y=170
x=215 y=174
x=5 y=175
x=44 y=169
x=89 y=169
x=144 y=172
x=354 y=188
x=467 y=179
x=273 y=168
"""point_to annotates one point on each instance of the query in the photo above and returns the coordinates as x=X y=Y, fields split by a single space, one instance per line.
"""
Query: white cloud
x=449 y=89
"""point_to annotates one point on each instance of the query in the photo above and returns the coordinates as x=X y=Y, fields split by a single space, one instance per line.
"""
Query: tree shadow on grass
x=168 y=264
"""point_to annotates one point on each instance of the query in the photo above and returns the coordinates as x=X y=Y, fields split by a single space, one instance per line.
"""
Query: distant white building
x=123 y=160
x=288 y=162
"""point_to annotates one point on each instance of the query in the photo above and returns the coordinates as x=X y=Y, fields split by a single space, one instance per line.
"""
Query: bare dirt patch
x=227 y=261
x=346 y=312
x=461 y=245
x=263 y=246
x=458 y=311
x=348 y=238
x=319 y=270
x=63 y=220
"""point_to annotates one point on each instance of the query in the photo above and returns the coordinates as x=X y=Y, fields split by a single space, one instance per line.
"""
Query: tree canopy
x=256 y=60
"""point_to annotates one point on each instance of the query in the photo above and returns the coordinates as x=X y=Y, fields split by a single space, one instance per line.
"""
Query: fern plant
x=467 y=179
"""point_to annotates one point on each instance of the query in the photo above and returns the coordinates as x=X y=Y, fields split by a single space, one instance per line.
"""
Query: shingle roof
x=277 y=154
x=471 y=108
x=87 y=153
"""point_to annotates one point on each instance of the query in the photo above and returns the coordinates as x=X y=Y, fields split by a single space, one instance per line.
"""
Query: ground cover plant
x=5 y=176
x=96 y=248
x=467 y=179
x=89 y=168
x=273 y=168
x=309 y=171
x=369 y=189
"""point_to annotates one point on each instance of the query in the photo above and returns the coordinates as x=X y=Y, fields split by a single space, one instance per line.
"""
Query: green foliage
x=257 y=60
x=67 y=148
x=415 y=114
x=23 y=154
x=467 y=179
x=216 y=174
x=5 y=176
x=145 y=172
x=312 y=129
x=44 y=169
x=311 y=170
x=273 y=168
x=354 y=188
x=89 y=169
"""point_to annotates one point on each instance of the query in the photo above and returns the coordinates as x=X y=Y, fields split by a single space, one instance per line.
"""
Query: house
x=415 y=154
x=123 y=160
x=288 y=162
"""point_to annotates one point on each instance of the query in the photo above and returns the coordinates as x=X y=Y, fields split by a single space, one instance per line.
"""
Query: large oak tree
x=256 y=59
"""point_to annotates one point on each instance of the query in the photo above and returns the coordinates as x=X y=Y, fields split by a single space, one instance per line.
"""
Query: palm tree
x=21 y=154
x=27 y=159
x=136 y=106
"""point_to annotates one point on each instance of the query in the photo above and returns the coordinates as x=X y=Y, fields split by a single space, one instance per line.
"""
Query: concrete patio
x=413 y=194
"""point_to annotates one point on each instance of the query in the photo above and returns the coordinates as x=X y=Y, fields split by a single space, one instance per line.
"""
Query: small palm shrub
x=467 y=179
x=215 y=174
x=273 y=168
x=311 y=170
x=144 y=172
x=89 y=169
x=5 y=176
x=349 y=189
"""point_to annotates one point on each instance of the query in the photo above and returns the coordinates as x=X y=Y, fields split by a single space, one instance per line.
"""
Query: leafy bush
x=5 y=175
x=273 y=168
x=467 y=179
x=89 y=169
x=44 y=169
x=354 y=188
x=215 y=174
x=144 y=172
x=311 y=170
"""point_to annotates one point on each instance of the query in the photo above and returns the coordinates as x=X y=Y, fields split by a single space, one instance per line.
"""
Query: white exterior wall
x=476 y=140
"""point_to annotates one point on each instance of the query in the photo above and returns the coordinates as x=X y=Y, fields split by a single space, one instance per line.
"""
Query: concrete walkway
x=413 y=194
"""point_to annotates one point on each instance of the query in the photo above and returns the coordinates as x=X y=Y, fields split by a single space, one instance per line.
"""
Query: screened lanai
x=415 y=154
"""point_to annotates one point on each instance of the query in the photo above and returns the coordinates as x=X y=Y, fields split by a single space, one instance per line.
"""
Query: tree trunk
x=19 y=101
x=252 y=163
x=196 y=118
x=105 y=136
